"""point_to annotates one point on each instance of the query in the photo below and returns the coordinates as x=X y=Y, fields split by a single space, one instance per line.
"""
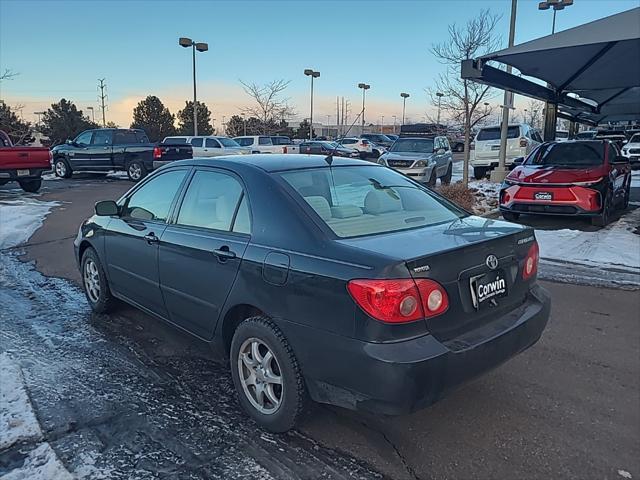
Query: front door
x=100 y=151
x=197 y=146
x=79 y=155
x=132 y=240
x=200 y=253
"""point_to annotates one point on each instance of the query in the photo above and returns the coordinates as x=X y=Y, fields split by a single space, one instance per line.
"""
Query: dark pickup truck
x=24 y=165
x=107 y=149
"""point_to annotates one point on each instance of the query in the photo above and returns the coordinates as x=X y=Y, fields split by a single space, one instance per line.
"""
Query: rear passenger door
x=212 y=148
x=201 y=250
x=198 y=146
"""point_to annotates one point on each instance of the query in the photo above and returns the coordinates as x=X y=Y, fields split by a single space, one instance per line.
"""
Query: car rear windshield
x=227 y=142
x=568 y=154
x=493 y=133
x=418 y=145
x=367 y=200
x=281 y=140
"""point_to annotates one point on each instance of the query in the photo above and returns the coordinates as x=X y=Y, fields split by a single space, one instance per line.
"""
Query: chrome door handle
x=151 y=238
x=223 y=253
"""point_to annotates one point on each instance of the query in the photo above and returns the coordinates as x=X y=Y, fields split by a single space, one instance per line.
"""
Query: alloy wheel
x=260 y=376
x=92 y=280
x=61 y=168
x=135 y=172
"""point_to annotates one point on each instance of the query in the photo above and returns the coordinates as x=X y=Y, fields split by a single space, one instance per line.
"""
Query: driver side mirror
x=518 y=160
x=440 y=151
x=69 y=141
x=106 y=208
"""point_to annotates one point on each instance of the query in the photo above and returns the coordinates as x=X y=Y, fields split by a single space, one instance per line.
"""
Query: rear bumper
x=11 y=175
x=398 y=378
x=570 y=200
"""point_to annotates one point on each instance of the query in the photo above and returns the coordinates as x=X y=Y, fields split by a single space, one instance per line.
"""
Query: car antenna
x=329 y=158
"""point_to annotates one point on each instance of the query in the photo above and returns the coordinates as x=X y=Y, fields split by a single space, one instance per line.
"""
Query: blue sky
x=61 y=48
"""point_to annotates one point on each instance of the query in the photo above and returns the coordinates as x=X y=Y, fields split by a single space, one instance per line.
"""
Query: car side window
x=84 y=138
x=242 y=223
x=244 y=142
x=196 y=142
x=102 y=137
x=152 y=201
x=123 y=137
x=264 y=141
x=211 y=201
x=445 y=144
x=211 y=143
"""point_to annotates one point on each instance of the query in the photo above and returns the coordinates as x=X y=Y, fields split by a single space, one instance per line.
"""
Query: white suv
x=362 y=145
x=485 y=148
x=209 y=146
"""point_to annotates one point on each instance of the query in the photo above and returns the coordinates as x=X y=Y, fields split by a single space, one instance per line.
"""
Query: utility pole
x=337 y=117
x=102 y=98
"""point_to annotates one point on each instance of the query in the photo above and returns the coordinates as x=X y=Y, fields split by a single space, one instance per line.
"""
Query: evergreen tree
x=185 y=120
x=64 y=121
x=154 y=118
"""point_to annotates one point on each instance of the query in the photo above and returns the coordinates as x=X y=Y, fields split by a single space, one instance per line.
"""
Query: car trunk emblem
x=492 y=262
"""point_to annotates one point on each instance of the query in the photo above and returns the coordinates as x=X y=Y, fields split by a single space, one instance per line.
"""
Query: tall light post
x=328 y=122
x=201 y=47
x=556 y=5
x=439 y=95
x=93 y=114
x=364 y=88
x=313 y=74
x=404 y=105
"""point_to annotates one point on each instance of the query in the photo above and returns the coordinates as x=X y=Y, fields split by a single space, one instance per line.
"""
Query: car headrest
x=381 y=201
x=346 y=211
x=320 y=205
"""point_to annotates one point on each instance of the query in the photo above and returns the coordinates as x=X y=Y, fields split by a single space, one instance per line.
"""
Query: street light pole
x=201 y=47
x=364 y=88
x=313 y=74
x=439 y=95
x=404 y=105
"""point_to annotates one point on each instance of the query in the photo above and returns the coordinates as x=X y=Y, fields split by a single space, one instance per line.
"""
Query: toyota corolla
x=340 y=281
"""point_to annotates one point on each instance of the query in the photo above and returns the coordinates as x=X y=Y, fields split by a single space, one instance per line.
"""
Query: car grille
x=561 y=209
x=634 y=151
x=400 y=163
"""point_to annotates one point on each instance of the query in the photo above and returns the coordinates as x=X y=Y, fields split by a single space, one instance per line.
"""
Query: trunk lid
x=24 y=157
x=175 y=151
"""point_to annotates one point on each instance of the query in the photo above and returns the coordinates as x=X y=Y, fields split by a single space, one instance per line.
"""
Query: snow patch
x=624 y=474
x=635 y=178
x=41 y=464
x=17 y=420
x=20 y=219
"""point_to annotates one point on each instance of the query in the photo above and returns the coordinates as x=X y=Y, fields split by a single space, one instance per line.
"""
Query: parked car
x=631 y=150
x=325 y=148
x=286 y=143
x=616 y=136
x=263 y=144
x=485 y=148
x=350 y=284
x=378 y=139
x=107 y=149
x=362 y=145
x=392 y=137
x=586 y=135
x=210 y=146
x=421 y=158
x=583 y=177
x=24 y=165
x=562 y=135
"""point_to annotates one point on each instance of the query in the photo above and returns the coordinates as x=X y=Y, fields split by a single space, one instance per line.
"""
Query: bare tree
x=270 y=108
x=7 y=74
x=534 y=113
x=464 y=100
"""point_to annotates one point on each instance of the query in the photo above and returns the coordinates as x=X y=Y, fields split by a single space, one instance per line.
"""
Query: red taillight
x=157 y=152
x=523 y=142
x=50 y=156
x=530 y=267
x=400 y=300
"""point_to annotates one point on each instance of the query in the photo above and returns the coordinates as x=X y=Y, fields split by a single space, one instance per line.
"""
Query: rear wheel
x=136 y=170
x=432 y=178
x=94 y=281
x=603 y=218
x=446 y=180
x=266 y=375
x=480 y=172
x=62 y=168
x=31 y=186
x=510 y=216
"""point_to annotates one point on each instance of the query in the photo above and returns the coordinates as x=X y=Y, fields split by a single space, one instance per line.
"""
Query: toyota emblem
x=492 y=262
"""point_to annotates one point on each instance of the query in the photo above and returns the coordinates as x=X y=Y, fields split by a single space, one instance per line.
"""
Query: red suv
x=587 y=178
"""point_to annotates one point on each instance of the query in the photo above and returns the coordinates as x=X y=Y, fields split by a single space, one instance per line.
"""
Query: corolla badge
x=492 y=262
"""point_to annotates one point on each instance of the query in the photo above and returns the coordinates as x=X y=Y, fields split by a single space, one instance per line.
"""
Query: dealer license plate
x=23 y=173
x=543 y=196
x=489 y=286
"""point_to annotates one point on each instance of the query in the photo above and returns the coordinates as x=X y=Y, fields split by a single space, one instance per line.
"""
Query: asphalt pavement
x=146 y=401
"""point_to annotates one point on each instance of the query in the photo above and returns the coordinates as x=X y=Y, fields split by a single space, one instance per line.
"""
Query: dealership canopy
x=592 y=71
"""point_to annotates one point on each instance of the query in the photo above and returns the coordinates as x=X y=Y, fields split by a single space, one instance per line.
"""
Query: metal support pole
x=311 y=113
x=363 y=92
x=439 y=99
x=404 y=107
x=550 y=122
x=195 y=105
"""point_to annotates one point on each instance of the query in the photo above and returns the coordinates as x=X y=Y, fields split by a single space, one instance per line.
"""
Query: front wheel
x=136 y=170
x=31 y=186
x=94 y=281
x=602 y=219
x=62 y=168
x=266 y=375
x=432 y=179
x=446 y=180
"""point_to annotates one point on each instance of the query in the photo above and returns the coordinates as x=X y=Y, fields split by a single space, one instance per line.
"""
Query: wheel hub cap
x=92 y=280
x=260 y=376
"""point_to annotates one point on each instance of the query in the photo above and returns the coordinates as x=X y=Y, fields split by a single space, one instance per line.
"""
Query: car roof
x=273 y=162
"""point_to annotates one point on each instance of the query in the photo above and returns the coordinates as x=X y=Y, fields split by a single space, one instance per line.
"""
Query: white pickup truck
x=268 y=144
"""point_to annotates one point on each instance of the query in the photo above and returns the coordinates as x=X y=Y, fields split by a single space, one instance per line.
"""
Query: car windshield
x=227 y=142
x=493 y=133
x=417 y=145
x=568 y=155
x=281 y=140
x=366 y=200
x=377 y=138
x=635 y=138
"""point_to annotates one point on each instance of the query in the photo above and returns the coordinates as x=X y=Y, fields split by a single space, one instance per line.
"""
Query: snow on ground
x=17 y=420
x=42 y=463
x=635 y=178
x=20 y=218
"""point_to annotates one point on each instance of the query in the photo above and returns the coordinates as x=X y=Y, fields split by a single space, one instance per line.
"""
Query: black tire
x=432 y=179
x=292 y=392
x=602 y=219
x=136 y=170
x=479 y=172
x=446 y=180
x=31 y=186
x=627 y=197
x=510 y=216
x=61 y=168
x=103 y=301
